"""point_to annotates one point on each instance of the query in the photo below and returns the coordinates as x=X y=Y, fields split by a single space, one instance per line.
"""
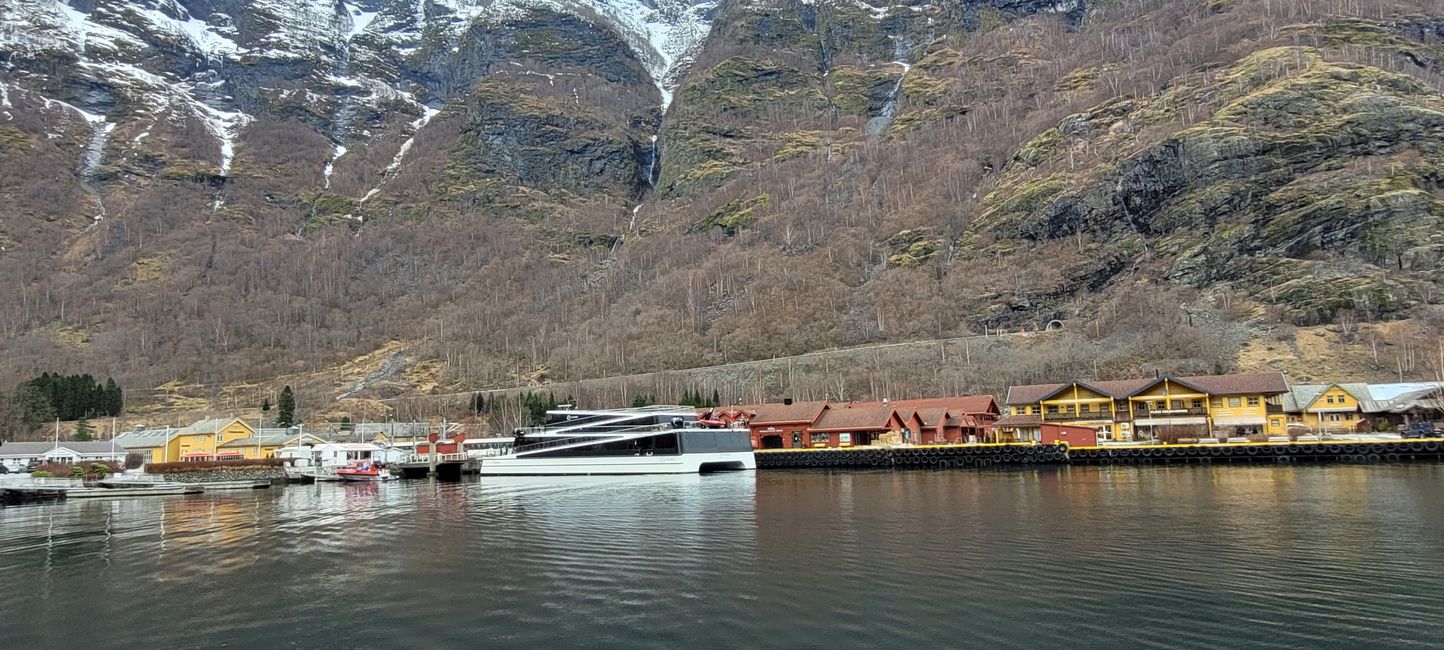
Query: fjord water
x=1179 y=557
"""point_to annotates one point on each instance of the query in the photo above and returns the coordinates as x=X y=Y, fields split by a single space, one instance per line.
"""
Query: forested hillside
x=483 y=194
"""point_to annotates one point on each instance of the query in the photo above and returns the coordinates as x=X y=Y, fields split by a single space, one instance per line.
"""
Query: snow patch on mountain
x=663 y=34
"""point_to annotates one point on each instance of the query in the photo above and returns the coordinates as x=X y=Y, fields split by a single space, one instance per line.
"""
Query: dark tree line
x=68 y=397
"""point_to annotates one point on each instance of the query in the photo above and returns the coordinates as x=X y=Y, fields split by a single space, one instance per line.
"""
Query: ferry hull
x=615 y=465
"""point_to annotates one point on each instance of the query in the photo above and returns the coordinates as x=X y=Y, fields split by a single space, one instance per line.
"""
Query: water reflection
x=1177 y=557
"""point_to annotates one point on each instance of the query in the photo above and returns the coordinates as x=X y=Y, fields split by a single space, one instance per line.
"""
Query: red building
x=940 y=426
x=1073 y=436
x=854 y=427
x=783 y=426
x=971 y=415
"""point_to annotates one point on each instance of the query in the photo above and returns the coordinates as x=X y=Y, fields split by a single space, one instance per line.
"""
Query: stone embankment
x=218 y=474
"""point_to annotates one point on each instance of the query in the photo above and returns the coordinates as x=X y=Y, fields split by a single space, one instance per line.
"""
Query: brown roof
x=1268 y=383
x=1259 y=382
x=970 y=404
x=934 y=415
x=1018 y=421
x=786 y=413
x=1030 y=393
x=855 y=419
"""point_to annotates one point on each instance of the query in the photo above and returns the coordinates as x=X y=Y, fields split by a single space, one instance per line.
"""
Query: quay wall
x=273 y=474
x=1017 y=455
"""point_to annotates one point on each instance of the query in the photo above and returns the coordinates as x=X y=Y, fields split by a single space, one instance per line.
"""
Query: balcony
x=1189 y=412
x=1072 y=416
x=1273 y=408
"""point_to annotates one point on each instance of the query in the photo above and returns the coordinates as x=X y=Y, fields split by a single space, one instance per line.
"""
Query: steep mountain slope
x=526 y=190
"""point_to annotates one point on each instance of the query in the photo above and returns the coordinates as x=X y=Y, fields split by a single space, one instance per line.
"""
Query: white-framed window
x=1234 y=402
x=1253 y=401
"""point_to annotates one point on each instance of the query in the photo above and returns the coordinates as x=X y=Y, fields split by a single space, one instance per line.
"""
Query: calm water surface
x=1127 y=557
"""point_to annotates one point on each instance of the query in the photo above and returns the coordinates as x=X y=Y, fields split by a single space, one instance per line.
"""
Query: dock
x=982 y=456
x=29 y=490
x=451 y=465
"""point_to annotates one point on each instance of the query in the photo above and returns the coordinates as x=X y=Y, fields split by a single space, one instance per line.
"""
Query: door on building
x=796 y=439
x=773 y=441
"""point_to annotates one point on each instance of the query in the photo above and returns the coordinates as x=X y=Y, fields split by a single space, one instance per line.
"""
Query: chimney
x=787 y=401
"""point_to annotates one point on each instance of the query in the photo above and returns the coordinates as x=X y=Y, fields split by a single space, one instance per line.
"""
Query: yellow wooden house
x=201 y=440
x=1130 y=409
x=266 y=444
x=1327 y=408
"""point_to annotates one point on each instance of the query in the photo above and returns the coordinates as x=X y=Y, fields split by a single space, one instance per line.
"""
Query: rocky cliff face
x=582 y=187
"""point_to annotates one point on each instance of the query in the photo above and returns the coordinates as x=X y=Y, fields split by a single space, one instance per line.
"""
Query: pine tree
x=716 y=399
x=82 y=430
x=266 y=404
x=114 y=398
x=642 y=399
x=286 y=408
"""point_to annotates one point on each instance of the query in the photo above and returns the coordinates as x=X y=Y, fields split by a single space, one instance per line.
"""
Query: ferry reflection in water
x=1178 y=557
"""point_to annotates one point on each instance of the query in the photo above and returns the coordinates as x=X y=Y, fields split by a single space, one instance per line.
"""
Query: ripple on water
x=1268 y=557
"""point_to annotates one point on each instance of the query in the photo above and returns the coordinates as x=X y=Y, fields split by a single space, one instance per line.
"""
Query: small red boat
x=364 y=471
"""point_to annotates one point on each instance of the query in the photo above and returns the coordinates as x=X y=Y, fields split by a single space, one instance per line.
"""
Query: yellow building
x=202 y=440
x=1137 y=409
x=265 y=444
x=1327 y=408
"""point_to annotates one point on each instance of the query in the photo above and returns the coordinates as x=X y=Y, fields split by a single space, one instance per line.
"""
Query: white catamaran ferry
x=651 y=440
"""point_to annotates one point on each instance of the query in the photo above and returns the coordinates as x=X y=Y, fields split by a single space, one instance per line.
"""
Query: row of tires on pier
x=942 y=457
x=982 y=456
x=1319 y=452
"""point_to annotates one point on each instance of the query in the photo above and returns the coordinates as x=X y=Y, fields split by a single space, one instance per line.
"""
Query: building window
x=1218 y=402
x=1084 y=408
x=1033 y=409
x=1052 y=408
x=1198 y=403
x=1274 y=422
x=1234 y=402
x=1253 y=401
x=1329 y=399
x=819 y=438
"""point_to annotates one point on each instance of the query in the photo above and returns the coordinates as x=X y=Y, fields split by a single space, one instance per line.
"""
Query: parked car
x=1419 y=430
x=4 y=469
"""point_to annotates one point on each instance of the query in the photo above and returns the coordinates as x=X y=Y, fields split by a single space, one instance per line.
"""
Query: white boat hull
x=600 y=465
x=365 y=478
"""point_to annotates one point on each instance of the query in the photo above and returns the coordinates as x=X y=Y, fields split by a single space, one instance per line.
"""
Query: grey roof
x=392 y=428
x=211 y=425
x=1387 y=392
x=1429 y=399
x=1300 y=396
x=39 y=448
x=153 y=437
x=273 y=439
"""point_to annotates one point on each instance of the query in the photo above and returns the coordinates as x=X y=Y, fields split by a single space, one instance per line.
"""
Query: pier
x=1019 y=455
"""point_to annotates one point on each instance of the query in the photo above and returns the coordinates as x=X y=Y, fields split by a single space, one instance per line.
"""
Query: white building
x=15 y=456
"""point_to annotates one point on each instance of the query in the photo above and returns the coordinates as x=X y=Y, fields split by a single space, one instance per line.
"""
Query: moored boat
x=651 y=440
x=364 y=472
